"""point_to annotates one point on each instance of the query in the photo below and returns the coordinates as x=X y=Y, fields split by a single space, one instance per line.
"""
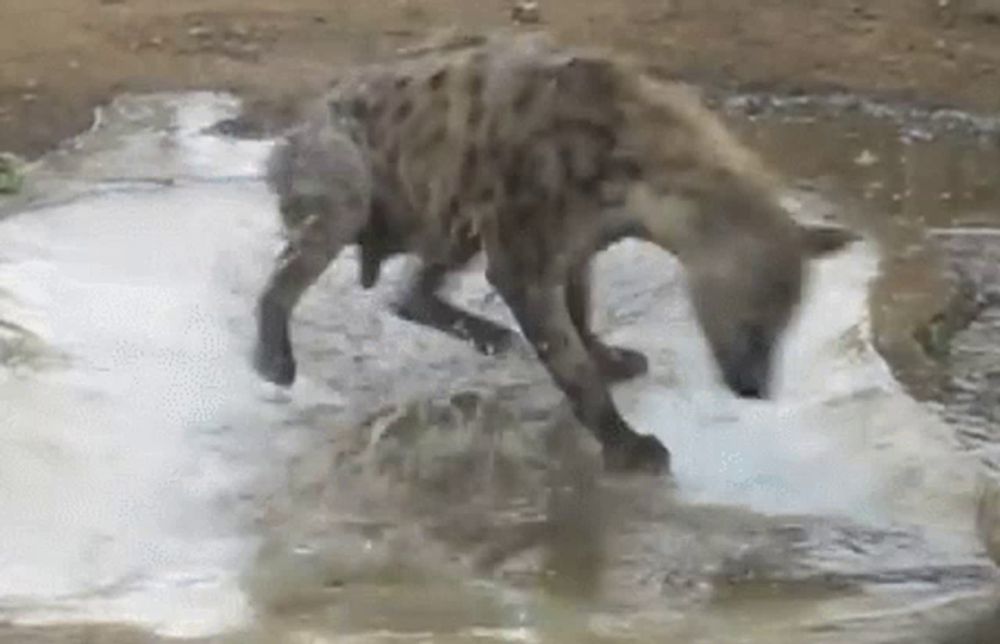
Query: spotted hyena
x=540 y=156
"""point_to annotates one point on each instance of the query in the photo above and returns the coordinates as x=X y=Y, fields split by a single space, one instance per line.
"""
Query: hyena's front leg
x=423 y=304
x=544 y=318
x=615 y=363
x=324 y=189
x=308 y=252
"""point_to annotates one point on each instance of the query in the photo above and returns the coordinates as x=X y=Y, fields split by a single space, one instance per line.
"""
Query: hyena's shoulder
x=449 y=69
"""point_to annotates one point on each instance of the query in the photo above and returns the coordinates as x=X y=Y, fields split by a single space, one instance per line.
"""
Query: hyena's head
x=745 y=283
x=702 y=195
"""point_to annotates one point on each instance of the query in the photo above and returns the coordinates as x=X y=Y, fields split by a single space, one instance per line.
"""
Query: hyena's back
x=537 y=141
x=504 y=132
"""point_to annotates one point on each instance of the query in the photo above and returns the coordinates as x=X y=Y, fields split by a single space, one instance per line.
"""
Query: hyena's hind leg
x=422 y=304
x=615 y=363
x=541 y=310
x=324 y=190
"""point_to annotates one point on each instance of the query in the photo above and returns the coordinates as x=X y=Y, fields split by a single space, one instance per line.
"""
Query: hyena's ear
x=819 y=241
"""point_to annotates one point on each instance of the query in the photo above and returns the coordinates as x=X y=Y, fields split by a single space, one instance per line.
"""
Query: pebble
x=200 y=31
x=526 y=12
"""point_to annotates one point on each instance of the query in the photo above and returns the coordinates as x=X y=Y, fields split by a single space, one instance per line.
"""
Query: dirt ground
x=61 y=58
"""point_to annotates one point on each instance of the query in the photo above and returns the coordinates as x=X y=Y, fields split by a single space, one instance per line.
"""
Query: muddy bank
x=58 y=60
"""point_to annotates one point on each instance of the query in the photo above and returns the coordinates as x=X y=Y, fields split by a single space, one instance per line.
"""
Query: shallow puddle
x=409 y=489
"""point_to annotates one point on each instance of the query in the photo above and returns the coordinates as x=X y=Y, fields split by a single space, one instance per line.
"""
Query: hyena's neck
x=689 y=173
x=666 y=219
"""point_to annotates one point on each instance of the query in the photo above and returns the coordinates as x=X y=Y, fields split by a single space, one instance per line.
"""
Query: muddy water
x=926 y=184
x=409 y=489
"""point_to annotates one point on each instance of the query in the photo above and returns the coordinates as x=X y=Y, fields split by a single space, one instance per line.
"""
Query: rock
x=11 y=173
x=526 y=12
x=200 y=31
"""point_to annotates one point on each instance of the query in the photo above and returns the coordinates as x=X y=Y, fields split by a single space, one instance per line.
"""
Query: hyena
x=539 y=156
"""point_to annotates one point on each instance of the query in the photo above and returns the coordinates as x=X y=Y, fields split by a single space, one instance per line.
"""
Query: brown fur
x=541 y=156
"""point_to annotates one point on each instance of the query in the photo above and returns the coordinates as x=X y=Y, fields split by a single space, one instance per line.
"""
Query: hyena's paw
x=618 y=363
x=274 y=362
x=637 y=455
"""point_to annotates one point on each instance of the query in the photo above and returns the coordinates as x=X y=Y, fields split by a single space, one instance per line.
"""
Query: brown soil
x=61 y=58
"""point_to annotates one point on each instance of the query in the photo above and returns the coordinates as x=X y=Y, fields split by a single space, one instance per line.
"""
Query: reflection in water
x=410 y=489
x=941 y=170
